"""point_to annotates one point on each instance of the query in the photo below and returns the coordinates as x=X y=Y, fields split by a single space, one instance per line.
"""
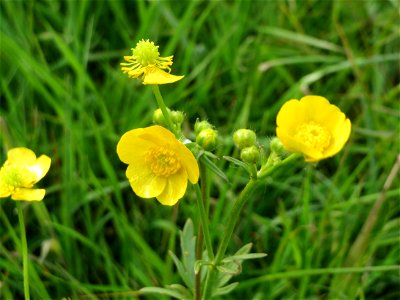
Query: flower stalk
x=163 y=107
x=233 y=218
x=223 y=245
x=204 y=222
x=24 y=249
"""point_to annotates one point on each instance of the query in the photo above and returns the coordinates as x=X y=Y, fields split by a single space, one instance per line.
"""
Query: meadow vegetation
x=331 y=230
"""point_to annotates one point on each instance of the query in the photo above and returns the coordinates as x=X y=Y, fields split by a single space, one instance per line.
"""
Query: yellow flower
x=158 y=164
x=145 y=60
x=20 y=172
x=312 y=126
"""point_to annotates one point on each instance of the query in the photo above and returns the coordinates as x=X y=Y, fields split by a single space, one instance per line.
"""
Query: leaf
x=200 y=263
x=188 y=245
x=185 y=265
x=225 y=289
x=174 y=290
x=213 y=167
x=182 y=271
x=245 y=249
x=242 y=257
x=237 y=162
x=183 y=291
x=231 y=268
x=188 y=248
x=232 y=265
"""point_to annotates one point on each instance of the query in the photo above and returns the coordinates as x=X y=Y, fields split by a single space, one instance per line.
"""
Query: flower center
x=146 y=53
x=162 y=161
x=12 y=176
x=313 y=135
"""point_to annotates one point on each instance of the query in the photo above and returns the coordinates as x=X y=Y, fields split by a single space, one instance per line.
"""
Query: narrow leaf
x=244 y=257
x=245 y=249
x=181 y=270
x=161 y=291
x=213 y=167
x=225 y=289
x=237 y=162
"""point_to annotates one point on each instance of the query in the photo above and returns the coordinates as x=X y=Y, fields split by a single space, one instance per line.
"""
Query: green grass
x=63 y=94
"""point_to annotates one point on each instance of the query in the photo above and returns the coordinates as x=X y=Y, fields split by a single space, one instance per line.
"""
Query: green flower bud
x=277 y=147
x=201 y=125
x=207 y=139
x=177 y=117
x=158 y=117
x=250 y=154
x=244 y=138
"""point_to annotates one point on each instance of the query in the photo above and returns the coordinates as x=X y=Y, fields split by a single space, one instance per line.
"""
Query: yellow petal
x=4 y=190
x=143 y=182
x=319 y=110
x=155 y=75
x=131 y=145
x=21 y=156
x=41 y=167
x=138 y=141
x=175 y=188
x=315 y=108
x=158 y=135
x=189 y=162
x=328 y=115
x=340 y=137
x=291 y=115
x=28 y=194
x=293 y=145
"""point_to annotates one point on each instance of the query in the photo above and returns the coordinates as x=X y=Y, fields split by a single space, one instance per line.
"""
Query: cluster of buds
x=177 y=118
x=245 y=140
x=206 y=135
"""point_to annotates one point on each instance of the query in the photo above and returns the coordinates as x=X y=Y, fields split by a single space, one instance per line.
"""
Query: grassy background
x=63 y=94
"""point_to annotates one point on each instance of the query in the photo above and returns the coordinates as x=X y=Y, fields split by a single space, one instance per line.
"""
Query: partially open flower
x=20 y=172
x=146 y=60
x=312 y=126
x=159 y=165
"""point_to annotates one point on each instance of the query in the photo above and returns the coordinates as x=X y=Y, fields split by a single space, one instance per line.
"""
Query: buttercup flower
x=20 y=172
x=312 y=126
x=145 y=60
x=159 y=165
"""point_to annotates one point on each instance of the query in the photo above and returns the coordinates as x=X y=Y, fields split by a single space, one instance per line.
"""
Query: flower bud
x=244 y=138
x=207 y=139
x=177 y=117
x=277 y=147
x=158 y=117
x=250 y=154
x=201 y=125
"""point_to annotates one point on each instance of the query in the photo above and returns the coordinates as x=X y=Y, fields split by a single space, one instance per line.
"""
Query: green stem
x=163 y=107
x=204 y=222
x=199 y=246
x=209 y=282
x=199 y=253
x=267 y=169
x=232 y=220
x=24 y=251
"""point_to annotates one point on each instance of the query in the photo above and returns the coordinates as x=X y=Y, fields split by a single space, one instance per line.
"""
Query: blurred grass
x=63 y=94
